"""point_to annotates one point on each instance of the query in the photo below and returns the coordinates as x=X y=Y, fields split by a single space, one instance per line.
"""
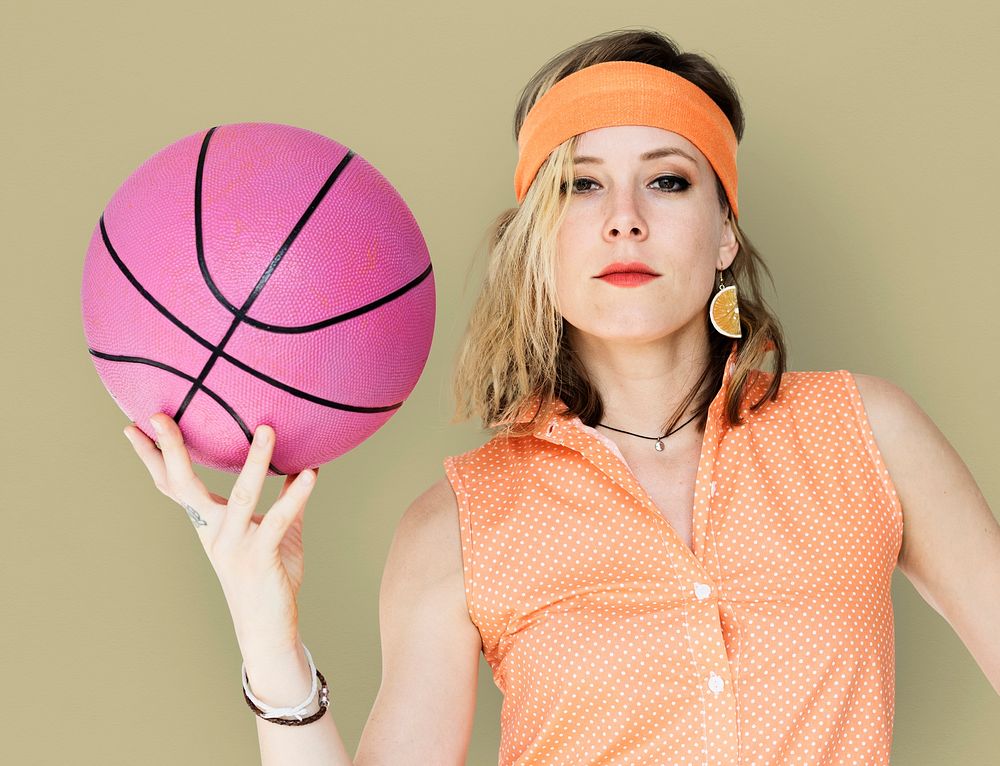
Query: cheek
x=694 y=253
x=566 y=288
x=569 y=269
x=694 y=287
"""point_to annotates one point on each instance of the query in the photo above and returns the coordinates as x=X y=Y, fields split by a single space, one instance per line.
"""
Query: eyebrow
x=653 y=155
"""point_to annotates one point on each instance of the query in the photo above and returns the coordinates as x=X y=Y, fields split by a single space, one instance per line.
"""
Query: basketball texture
x=259 y=273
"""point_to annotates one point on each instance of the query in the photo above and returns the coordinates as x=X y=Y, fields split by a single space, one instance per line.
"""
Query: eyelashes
x=679 y=184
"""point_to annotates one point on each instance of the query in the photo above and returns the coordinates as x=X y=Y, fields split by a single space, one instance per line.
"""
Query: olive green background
x=867 y=178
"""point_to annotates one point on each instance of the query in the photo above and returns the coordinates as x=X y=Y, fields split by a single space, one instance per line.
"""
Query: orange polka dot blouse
x=771 y=642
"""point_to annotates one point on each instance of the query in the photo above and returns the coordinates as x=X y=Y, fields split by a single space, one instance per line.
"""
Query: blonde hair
x=515 y=346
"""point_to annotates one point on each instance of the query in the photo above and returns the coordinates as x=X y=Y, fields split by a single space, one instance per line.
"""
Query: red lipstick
x=635 y=267
x=627 y=274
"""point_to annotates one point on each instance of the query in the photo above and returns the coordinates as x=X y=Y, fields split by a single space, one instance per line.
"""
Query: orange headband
x=625 y=93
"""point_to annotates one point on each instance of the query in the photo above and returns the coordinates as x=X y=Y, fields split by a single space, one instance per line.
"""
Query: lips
x=635 y=267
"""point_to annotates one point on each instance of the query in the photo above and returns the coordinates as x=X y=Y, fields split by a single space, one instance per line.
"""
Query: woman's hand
x=258 y=558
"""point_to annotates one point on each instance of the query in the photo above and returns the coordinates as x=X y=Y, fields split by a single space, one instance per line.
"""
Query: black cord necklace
x=659 y=439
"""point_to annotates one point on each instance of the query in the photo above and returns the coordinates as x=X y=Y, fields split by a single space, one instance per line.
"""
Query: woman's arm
x=951 y=540
x=423 y=713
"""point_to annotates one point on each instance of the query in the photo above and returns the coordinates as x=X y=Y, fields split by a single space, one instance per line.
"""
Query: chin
x=628 y=334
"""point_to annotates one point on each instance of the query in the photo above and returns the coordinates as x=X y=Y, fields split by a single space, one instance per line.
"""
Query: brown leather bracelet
x=324 y=703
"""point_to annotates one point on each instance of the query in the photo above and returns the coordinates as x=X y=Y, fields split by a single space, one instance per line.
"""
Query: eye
x=576 y=187
x=675 y=179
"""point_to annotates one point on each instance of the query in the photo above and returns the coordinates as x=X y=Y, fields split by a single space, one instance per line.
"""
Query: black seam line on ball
x=229 y=358
x=240 y=313
x=262 y=280
x=399 y=291
x=173 y=370
x=317 y=199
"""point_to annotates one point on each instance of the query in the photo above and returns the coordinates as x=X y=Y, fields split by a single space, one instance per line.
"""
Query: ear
x=728 y=246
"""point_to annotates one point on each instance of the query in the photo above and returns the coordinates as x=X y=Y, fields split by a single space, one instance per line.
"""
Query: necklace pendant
x=659 y=445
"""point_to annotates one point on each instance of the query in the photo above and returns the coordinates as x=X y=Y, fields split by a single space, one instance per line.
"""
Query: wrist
x=280 y=680
x=258 y=652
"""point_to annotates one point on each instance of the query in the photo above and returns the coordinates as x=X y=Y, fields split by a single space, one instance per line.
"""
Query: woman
x=665 y=553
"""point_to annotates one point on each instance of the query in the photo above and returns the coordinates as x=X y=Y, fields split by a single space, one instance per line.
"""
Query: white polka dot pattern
x=771 y=642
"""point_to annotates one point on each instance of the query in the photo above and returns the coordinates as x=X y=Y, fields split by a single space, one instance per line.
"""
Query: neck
x=642 y=384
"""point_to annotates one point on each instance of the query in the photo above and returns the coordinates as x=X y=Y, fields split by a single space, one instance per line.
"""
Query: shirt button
x=702 y=591
x=715 y=683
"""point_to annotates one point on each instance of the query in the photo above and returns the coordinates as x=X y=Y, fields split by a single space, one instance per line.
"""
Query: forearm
x=282 y=682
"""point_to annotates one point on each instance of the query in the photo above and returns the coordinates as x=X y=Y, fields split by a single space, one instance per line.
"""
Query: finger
x=152 y=458
x=149 y=455
x=284 y=511
x=246 y=491
x=289 y=478
x=182 y=482
x=257 y=518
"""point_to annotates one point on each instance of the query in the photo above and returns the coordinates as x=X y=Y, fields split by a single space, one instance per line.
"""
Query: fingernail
x=154 y=425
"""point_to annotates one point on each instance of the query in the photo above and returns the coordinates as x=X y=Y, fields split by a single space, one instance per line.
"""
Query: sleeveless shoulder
x=486 y=479
x=824 y=409
x=496 y=463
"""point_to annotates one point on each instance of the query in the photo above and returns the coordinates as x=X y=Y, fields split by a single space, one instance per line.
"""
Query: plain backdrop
x=867 y=179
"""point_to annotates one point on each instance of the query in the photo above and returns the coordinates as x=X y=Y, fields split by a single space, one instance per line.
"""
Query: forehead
x=628 y=142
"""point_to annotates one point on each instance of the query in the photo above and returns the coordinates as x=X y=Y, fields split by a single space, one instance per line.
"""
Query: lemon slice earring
x=724 y=311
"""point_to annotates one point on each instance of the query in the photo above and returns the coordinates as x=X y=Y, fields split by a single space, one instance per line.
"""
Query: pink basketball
x=259 y=273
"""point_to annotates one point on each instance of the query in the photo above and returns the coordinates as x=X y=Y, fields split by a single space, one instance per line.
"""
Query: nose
x=624 y=218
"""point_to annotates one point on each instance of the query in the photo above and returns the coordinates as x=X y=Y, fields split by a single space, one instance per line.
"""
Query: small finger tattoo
x=196 y=519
